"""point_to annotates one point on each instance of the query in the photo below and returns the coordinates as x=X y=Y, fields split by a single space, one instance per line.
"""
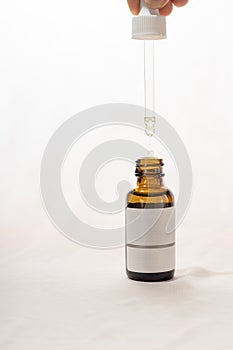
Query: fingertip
x=156 y=4
x=135 y=11
x=134 y=6
x=166 y=10
x=180 y=3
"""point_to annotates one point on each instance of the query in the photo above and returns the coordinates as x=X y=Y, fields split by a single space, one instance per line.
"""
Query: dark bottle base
x=150 y=277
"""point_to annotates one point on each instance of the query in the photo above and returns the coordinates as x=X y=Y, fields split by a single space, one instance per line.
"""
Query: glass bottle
x=150 y=225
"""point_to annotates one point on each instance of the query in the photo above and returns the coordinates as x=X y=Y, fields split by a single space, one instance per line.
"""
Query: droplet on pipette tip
x=149 y=126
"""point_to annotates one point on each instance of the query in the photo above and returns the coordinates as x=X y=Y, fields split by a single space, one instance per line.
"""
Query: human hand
x=165 y=6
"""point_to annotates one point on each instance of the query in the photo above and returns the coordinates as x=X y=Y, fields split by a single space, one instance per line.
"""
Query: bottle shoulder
x=159 y=198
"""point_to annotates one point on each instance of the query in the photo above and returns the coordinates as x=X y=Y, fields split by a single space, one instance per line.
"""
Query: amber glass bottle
x=150 y=246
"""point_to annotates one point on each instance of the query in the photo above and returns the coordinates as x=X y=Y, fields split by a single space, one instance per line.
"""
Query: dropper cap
x=148 y=25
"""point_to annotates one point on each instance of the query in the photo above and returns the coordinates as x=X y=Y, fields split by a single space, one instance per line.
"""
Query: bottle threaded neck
x=149 y=166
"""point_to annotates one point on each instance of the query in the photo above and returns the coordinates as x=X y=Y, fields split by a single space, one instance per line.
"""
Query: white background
x=58 y=58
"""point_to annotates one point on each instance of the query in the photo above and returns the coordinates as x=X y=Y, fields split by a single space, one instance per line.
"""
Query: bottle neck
x=149 y=173
x=149 y=182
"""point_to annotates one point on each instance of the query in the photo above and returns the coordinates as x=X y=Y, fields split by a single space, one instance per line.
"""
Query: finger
x=166 y=10
x=156 y=4
x=134 y=6
x=180 y=3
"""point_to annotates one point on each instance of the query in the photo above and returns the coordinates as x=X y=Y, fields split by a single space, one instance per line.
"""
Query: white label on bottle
x=150 y=240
